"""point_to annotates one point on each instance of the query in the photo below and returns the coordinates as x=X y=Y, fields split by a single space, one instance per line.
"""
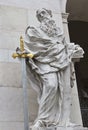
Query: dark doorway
x=79 y=34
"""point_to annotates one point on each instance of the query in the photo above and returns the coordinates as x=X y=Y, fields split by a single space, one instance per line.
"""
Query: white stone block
x=11 y=125
x=13 y=19
x=10 y=74
x=9 y=39
x=4 y=55
x=32 y=20
x=11 y=105
x=33 y=4
x=75 y=110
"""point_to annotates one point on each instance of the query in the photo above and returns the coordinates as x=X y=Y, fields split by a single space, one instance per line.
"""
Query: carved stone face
x=43 y=13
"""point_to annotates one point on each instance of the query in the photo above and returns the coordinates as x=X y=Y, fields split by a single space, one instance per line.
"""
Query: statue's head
x=43 y=13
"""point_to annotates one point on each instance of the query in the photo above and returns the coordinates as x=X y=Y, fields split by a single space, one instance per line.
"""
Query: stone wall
x=13 y=22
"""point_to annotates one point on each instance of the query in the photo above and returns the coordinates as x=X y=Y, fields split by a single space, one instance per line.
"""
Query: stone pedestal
x=62 y=128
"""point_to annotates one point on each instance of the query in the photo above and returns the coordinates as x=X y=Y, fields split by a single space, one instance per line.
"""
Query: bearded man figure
x=47 y=69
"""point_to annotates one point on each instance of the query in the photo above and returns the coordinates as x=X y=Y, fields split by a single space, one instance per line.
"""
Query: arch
x=77 y=10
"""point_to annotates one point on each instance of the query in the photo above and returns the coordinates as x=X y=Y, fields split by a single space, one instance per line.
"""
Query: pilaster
x=75 y=107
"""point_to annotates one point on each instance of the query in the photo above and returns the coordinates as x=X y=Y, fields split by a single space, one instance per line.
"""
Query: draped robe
x=52 y=56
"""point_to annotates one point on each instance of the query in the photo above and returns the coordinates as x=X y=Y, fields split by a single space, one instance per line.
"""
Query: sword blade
x=25 y=97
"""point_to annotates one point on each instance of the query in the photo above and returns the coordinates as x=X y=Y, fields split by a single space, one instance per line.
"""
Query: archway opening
x=78 y=30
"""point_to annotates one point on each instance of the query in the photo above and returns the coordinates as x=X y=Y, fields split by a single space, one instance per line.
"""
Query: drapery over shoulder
x=47 y=50
x=52 y=54
x=52 y=50
x=50 y=70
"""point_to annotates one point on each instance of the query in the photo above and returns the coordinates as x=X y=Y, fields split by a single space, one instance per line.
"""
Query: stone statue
x=46 y=70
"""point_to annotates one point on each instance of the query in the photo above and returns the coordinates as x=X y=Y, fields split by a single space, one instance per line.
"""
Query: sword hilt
x=21 y=44
x=22 y=55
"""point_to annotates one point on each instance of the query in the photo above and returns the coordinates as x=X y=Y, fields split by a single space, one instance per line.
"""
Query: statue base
x=60 y=128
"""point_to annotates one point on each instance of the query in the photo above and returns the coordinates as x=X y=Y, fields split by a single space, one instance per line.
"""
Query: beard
x=49 y=27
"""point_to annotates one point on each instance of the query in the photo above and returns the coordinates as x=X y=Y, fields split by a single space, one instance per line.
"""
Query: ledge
x=61 y=128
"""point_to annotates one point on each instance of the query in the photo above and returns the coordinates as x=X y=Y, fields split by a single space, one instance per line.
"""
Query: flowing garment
x=46 y=72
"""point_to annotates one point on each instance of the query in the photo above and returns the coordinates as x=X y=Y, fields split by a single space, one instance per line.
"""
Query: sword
x=22 y=56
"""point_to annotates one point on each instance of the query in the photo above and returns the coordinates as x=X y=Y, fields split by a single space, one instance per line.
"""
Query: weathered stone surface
x=11 y=105
x=12 y=18
x=11 y=125
x=33 y=4
x=62 y=128
x=75 y=108
x=72 y=128
x=10 y=75
x=3 y=55
x=9 y=39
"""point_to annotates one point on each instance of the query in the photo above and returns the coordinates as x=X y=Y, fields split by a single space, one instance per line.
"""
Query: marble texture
x=11 y=125
x=33 y=4
x=11 y=105
x=4 y=55
x=76 y=117
x=64 y=128
x=10 y=75
x=75 y=109
x=53 y=68
x=12 y=18
x=20 y=126
x=10 y=39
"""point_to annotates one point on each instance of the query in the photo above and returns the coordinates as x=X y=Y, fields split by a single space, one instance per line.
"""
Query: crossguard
x=30 y=55
x=14 y=55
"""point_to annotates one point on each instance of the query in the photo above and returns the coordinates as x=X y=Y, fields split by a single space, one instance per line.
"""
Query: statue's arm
x=76 y=50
